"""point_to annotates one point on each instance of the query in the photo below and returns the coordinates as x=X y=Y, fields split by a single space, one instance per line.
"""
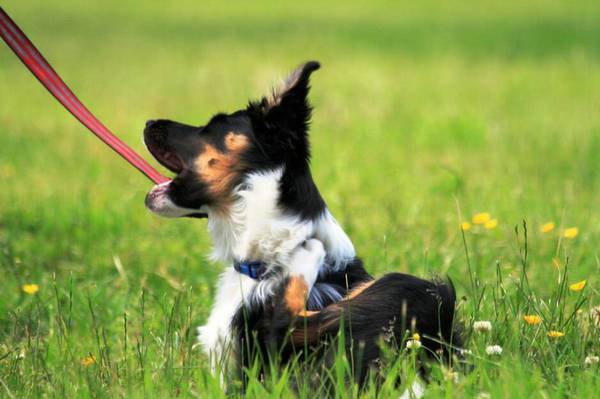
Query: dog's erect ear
x=285 y=114
x=291 y=94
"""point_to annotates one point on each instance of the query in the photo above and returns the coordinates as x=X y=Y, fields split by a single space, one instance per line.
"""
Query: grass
x=425 y=115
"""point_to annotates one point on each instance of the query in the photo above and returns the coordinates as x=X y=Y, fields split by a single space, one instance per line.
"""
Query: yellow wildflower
x=490 y=224
x=416 y=337
x=547 y=227
x=532 y=319
x=88 y=360
x=578 y=286
x=465 y=226
x=555 y=334
x=30 y=288
x=481 y=218
x=571 y=232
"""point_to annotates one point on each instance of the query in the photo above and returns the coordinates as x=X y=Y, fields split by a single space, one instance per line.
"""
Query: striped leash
x=35 y=62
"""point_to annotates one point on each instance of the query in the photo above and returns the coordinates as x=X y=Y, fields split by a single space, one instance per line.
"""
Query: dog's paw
x=307 y=259
x=208 y=337
x=213 y=346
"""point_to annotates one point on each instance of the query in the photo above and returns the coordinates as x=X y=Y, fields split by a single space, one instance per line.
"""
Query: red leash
x=31 y=57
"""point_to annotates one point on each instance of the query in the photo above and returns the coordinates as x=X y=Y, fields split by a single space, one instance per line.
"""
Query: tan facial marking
x=219 y=169
x=235 y=141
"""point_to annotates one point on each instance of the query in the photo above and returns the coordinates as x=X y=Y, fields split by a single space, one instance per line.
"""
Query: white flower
x=482 y=326
x=465 y=352
x=493 y=350
x=21 y=354
x=591 y=359
x=413 y=344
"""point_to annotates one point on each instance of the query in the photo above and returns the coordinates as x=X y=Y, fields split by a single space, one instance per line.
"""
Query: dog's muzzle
x=158 y=202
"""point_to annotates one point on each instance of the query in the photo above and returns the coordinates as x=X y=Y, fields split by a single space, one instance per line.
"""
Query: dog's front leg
x=303 y=270
x=233 y=289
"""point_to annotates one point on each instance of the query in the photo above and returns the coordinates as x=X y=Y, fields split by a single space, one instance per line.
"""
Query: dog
x=292 y=278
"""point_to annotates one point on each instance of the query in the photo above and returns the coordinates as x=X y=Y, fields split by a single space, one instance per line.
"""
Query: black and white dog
x=292 y=277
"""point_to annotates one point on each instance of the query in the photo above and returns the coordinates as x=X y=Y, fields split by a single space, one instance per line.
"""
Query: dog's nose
x=150 y=122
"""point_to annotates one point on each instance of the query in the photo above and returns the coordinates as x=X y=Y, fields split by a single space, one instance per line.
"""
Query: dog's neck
x=255 y=228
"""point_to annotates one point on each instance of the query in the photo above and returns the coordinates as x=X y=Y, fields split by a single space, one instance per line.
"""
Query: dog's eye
x=212 y=162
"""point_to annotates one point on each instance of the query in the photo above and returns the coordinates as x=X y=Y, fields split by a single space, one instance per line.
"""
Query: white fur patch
x=255 y=228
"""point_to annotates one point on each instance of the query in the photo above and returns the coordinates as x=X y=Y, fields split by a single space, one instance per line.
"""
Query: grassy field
x=425 y=116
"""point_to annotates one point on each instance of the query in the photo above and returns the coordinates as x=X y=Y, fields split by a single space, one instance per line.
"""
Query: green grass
x=422 y=113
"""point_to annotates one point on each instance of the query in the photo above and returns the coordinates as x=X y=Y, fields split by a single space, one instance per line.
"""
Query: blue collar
x=253 y=269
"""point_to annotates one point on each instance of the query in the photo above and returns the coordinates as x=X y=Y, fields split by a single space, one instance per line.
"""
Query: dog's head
x=211 y=160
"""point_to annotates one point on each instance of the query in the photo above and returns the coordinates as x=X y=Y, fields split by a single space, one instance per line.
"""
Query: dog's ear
x=284 y=115
x=291 y=96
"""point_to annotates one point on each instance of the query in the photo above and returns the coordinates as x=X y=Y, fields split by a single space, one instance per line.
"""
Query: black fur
x=388 y=309
x=281 y=132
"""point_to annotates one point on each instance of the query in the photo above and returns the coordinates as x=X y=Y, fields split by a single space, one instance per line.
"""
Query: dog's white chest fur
x=256 y=229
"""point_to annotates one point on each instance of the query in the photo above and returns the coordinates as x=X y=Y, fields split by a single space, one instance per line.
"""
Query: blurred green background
x=491 y=106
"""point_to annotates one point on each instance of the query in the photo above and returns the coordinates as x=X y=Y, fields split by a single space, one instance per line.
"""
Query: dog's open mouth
x=158 y=200
x=157 y=141
x=166 y=158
